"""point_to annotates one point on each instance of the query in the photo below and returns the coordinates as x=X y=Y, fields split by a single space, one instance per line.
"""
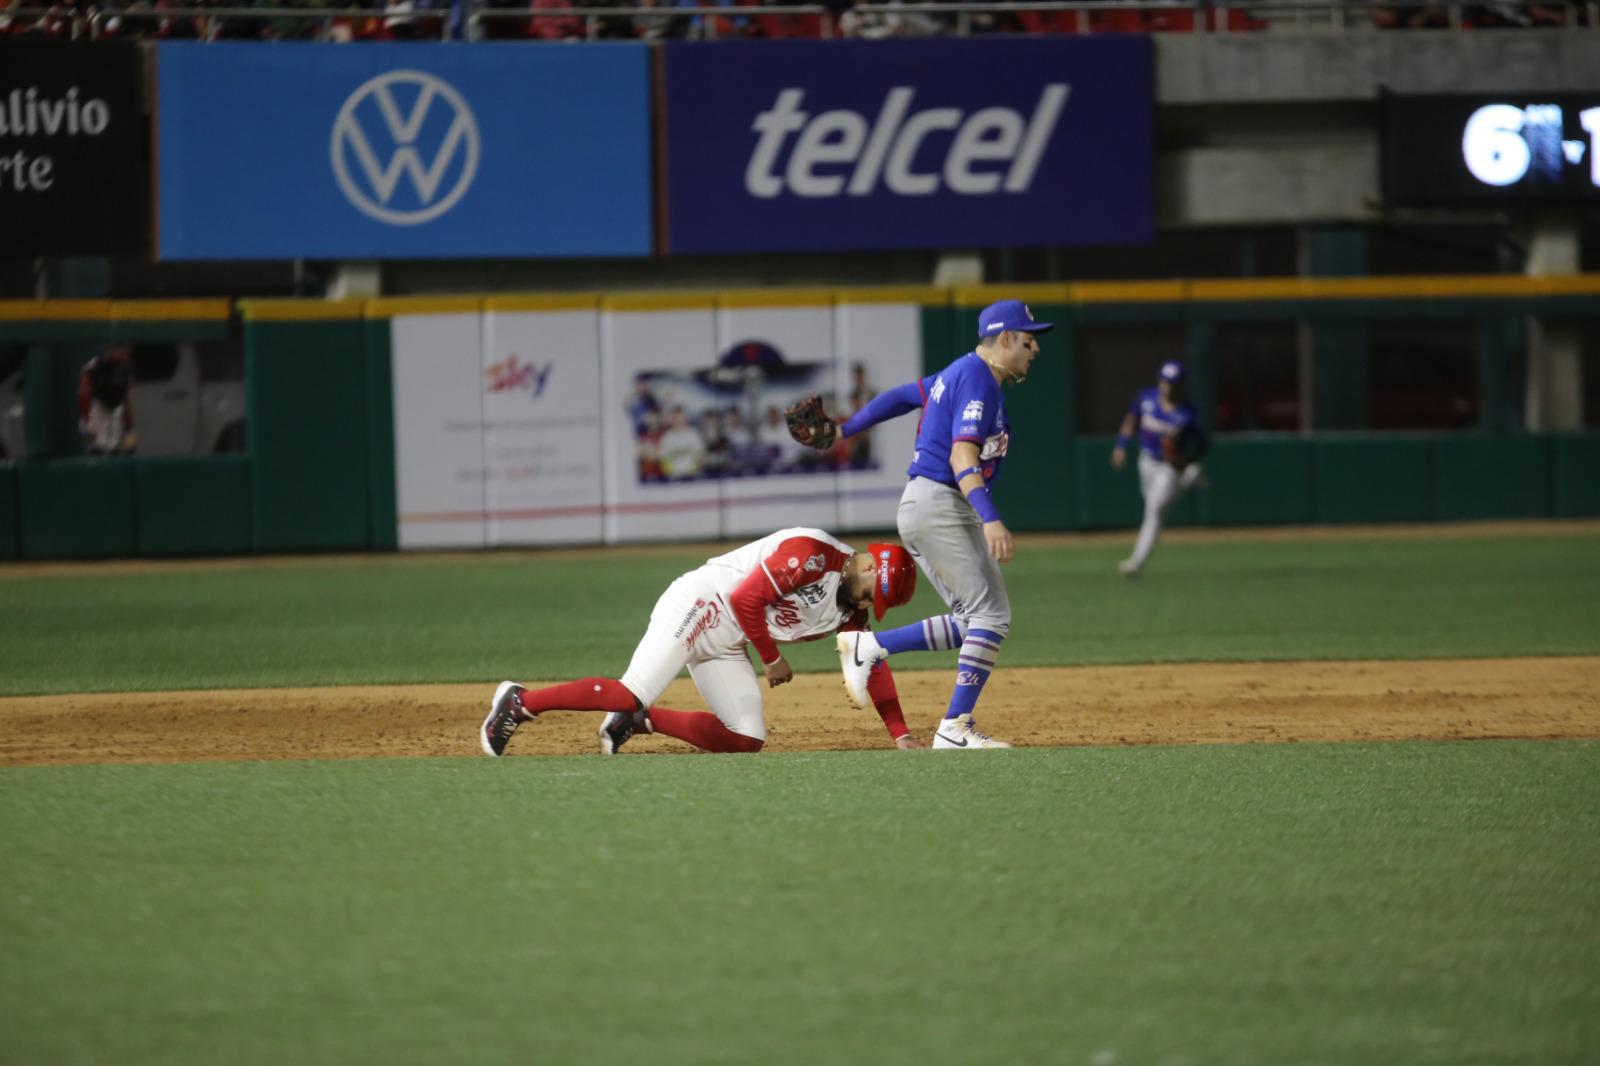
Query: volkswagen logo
x=378 y=140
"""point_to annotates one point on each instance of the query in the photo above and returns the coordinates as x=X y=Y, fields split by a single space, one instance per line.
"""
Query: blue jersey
x=961 y=402
x=1155 y=424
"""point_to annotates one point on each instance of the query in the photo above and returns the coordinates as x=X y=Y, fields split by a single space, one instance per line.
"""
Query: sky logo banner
x=834 y=145
x=410 y=151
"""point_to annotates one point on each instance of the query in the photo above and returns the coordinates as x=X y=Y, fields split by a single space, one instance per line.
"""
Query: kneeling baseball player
x=794 y=585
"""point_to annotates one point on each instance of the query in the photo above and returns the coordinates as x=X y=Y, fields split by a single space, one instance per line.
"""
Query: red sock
x=702 y=729
x=589 y=694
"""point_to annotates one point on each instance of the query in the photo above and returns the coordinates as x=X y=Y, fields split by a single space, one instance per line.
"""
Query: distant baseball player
x=793 y=585
x=1170 y=443
x=105 y=406
x=947 y=516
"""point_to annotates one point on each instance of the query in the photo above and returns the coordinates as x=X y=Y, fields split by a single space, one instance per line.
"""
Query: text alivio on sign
x=816 y=145
x=73 y=165
x=406 y=151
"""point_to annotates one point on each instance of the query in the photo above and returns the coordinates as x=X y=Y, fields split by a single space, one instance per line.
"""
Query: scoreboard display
x=1482 y=150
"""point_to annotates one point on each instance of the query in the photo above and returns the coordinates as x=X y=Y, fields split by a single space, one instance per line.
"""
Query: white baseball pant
x=691 y=626
x=1160 y=482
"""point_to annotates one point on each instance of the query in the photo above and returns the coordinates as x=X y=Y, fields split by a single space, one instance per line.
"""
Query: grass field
x=1329 y=903
x=478 y=618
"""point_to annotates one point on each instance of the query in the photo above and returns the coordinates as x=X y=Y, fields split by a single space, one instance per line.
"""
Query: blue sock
x=978 y=652
x=940 y=633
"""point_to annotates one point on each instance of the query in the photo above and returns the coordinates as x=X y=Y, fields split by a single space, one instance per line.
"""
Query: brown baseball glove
x=810 y=425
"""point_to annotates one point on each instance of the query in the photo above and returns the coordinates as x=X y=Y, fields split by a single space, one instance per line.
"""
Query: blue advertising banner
x=323 y=151
x=817 y=145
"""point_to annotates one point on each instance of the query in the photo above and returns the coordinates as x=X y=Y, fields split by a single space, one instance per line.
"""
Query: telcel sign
x=841 y=145
x=889 y=148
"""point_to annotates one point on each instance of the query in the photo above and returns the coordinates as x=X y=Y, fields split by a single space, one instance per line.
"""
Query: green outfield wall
x=9 y=546
x=319 y=470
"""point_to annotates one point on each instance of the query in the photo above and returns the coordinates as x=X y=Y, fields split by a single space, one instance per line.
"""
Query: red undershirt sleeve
x=750 y=601
x=886 y=698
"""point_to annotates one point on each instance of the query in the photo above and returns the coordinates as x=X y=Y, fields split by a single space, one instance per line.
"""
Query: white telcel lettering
x=774 y=127
x=894 y=110
x=835 y=139
x=974 y=143
x=1040 y=126
x=848 y=130
x=898 y=176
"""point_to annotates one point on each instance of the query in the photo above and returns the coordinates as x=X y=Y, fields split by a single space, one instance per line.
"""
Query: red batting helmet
x=894 y=580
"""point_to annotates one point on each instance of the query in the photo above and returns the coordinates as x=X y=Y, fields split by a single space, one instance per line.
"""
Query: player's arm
x=750 y=600
x=891 y=403
x=778 y=575
x=970 y=483
x=1119 y=454
x=886 y=699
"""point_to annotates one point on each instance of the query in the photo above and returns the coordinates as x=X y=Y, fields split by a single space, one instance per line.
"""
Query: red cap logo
x=895 y=581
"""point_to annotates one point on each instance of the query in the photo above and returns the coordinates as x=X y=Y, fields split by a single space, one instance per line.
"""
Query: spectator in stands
x=655 y=27
x=1411 y=16
x=918 y=21
x=549 y=24
x=707 y=27
x=401 y=23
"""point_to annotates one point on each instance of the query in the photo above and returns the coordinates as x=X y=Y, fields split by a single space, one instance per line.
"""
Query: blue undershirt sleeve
x=891 y=403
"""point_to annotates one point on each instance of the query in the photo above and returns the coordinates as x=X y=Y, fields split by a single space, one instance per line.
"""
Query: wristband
x=969 y=470
x=979 y=498
x=1122 y=442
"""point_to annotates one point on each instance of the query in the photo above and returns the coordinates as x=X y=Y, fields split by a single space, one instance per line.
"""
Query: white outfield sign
x=497 y=429
x=581 y=426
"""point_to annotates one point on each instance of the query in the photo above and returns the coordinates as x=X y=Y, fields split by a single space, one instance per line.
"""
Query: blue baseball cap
x=1172 y=370
x=1009 y=314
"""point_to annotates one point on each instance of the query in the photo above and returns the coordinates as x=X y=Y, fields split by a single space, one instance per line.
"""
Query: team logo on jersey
x=784 y=613
x=937 y=391
x=995 y=448
x=813 y=564
x=374 y=145
x=704 y=615
x=973 y=411
x=1150 y=423
x=812 y=594
x=793 y=562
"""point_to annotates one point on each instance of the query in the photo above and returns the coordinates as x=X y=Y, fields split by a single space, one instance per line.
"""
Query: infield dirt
x=1211 y=703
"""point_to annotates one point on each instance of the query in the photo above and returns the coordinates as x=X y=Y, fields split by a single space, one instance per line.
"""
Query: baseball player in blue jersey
x=1170 y=442
x=947 y=517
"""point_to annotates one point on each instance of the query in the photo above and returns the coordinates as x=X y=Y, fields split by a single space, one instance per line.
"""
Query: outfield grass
x=545 y=617
x=1415 y=903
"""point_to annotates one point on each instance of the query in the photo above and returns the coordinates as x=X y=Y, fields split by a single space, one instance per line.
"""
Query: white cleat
x=959 y=732
x=859 y=652
x=1128 y=568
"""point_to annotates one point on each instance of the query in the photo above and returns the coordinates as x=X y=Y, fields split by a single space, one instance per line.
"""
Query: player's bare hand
x=778 y=672
x=998 y=537
x=1118 y=458
x=908 y=743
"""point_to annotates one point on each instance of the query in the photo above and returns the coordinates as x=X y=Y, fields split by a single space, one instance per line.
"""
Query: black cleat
x=505 y=714
x=618 y=726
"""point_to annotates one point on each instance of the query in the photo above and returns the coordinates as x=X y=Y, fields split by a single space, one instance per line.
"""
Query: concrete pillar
x=958 y=268
x=1553 y=397
x=357 y=280
x=1333 y=357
